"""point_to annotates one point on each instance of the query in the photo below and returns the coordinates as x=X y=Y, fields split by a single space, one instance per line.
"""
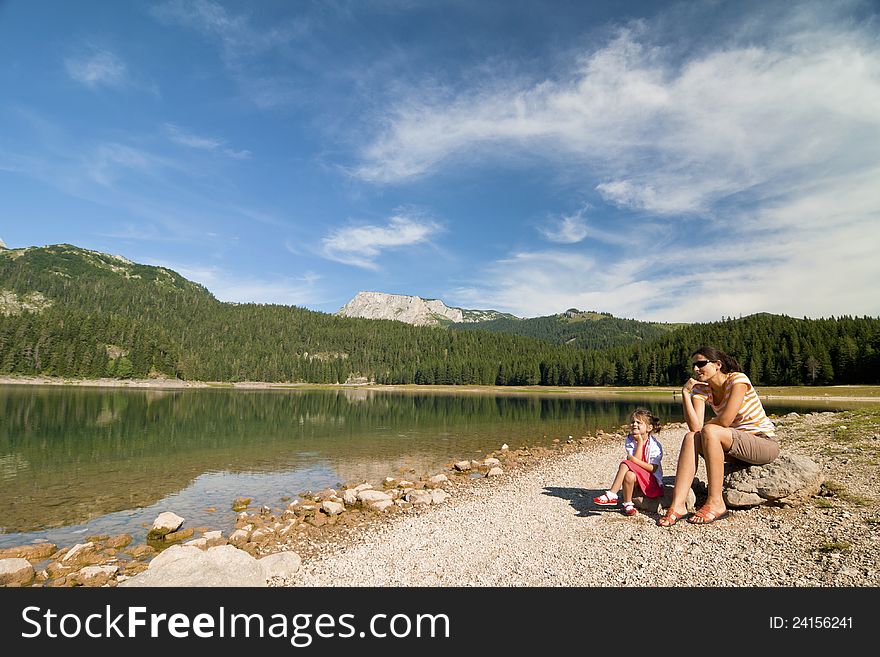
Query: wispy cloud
x=567 y=229
x=241 y=43
x=360 y=246
x=111 y=161
x=660 y=134
x=96 y=68
x=180 y=136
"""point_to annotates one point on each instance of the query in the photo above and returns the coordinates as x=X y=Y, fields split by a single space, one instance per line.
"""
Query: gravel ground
x=536 y=526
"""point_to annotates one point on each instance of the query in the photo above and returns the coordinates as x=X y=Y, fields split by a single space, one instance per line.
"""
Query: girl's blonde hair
x=648 y=417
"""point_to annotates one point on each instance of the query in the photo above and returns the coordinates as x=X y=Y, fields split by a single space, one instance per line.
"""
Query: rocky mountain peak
x=410 y=309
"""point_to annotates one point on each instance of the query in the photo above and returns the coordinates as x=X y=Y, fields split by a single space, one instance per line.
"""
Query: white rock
x=201 y=543
x=438 y=496
x=420 y=497
x=280 y=564
x=381 y=505
x=495 y=472
x=16 y=572
x=332 y=508
x=223 y=565
x=239 y=537
x=165 y=523
x=491 y=461
x=96 y=575
x=505 y=446
x=174 y=553
x=438 y=479
x=350 y=496
x=370 y=496
x=363 y=486
x=76 y=549
x=462 y=466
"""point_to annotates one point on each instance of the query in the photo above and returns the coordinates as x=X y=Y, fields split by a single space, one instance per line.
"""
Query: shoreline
x=179 y=384
x=535 y=525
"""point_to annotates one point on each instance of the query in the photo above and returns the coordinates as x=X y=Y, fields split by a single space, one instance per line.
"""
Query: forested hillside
x=70 y=312
x=587 y=330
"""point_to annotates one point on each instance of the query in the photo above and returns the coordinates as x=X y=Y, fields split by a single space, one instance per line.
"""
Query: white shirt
x=654 y=450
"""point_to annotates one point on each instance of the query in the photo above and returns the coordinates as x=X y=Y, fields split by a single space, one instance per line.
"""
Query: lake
x=81 y=461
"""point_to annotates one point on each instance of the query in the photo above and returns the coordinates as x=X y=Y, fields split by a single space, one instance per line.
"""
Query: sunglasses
x=700 y=364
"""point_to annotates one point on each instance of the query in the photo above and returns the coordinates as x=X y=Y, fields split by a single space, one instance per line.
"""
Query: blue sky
x=660 y=161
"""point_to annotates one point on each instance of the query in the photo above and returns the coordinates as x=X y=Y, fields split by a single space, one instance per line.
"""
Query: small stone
x=240 y=503
x=495 y=472
x=165 y=523
x=182 y=535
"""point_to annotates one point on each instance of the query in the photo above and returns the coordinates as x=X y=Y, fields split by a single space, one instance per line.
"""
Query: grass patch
x=835 y=546
x=838 y=490
x=824 y=503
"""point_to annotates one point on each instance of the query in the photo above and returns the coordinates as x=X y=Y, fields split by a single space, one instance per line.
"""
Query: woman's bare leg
x=717 y=440
x=685 y=471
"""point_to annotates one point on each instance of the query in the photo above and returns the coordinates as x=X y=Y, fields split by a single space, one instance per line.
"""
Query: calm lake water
x=82 y=461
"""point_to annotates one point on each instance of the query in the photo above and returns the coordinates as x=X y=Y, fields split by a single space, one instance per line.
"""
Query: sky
x=661 y=161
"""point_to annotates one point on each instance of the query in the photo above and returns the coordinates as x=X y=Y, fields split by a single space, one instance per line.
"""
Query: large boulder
x=660 y=504
x=280 y=564
x=789 y=480
x=223 y=565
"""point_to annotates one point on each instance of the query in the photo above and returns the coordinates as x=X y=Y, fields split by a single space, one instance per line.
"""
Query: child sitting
x=640 y=471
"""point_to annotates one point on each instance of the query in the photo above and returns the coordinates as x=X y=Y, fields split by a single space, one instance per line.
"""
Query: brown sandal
x=671 y=518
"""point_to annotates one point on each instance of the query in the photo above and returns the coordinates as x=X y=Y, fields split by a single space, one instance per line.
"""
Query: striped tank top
x=750 y=416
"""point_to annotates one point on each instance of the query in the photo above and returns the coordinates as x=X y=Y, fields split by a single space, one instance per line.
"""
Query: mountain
x=413 y=310
x=582 y=329
x=72 y=312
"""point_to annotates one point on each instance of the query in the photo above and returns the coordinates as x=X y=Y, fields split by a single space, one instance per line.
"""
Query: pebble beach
x=537 y=526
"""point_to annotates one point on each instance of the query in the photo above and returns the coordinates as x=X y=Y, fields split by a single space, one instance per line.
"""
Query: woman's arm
x=731 y=409
x=694 y=409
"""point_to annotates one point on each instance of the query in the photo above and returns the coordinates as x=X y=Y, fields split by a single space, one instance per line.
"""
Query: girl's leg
x=629 y=483
x=618 y=479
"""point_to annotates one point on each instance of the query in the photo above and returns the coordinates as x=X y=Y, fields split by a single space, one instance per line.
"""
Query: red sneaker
x=604 y=500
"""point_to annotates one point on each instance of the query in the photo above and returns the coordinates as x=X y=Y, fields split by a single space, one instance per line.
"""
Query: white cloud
x=180 y=136
x=97 y=68
x=756 y=151
x=361 y=245
x=567 y=229
x=233 y=287
x=663 y=135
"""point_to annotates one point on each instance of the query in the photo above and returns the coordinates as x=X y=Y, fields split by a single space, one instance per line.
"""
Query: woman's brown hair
x=728 y=363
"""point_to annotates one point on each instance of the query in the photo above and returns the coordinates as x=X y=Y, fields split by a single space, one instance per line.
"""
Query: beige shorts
x=754 y=448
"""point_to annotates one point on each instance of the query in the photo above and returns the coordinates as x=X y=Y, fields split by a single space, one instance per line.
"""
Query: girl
x=739 y=431
x=640 y=471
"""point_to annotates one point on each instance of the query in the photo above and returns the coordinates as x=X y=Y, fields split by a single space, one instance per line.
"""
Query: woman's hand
x=689 y=385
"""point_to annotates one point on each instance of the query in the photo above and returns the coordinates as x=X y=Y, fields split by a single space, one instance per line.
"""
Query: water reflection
x=105 y=460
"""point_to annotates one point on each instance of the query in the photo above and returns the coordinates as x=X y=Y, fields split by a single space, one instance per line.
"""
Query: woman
x=739 y=431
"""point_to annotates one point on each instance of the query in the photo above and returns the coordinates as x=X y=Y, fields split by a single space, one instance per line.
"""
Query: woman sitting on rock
x=740 y=431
